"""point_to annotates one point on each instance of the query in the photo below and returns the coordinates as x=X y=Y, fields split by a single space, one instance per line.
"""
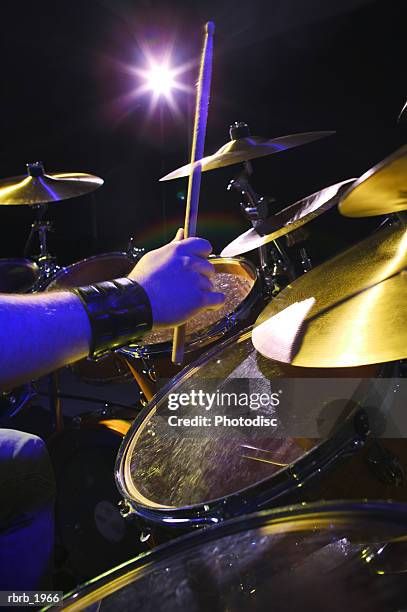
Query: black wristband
x=119 y=311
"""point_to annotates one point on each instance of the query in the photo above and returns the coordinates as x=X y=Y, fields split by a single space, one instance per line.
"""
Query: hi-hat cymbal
x=244 y=149
x=349 y=311
x=287 y=220
x=380 y=191
x=36 y=187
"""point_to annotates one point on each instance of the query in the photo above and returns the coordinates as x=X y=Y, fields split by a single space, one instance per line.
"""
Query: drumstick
x=194 y=182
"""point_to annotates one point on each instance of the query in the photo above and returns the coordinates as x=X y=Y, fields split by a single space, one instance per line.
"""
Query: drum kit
x=328 y=342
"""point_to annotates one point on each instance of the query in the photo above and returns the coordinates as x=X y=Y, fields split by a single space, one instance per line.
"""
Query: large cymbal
x=244 y=149
x=39 y=188
x=349 y=311
x=289 y=219
x=381 y=190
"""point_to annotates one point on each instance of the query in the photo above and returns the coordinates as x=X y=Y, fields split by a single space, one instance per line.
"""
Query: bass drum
x=320 y=557
x=107 y=266
x=235 y=432
x=91 y=535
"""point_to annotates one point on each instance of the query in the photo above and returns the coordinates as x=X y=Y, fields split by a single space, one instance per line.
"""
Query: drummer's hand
x=177 y=280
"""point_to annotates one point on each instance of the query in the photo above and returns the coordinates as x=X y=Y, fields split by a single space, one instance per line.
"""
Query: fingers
x=205 y=284
x=179 y=235
x=194 y=246
x=214 y=300
x=202 y=266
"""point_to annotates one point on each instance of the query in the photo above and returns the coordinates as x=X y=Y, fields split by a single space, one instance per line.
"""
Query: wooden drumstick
x=194 y=182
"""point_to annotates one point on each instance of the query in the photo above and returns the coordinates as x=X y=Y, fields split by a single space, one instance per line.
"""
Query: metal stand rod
x=55 y=404
x=274 y=262
x=41 y=210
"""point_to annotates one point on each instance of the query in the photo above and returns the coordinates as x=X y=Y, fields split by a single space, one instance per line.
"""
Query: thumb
x=179 y=235
x=214 y=300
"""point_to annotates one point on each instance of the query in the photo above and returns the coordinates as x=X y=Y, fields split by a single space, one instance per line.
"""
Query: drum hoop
x=286 y=519
x=62 y=272
x=347 y=439
x=209 y=334
x=25 y=261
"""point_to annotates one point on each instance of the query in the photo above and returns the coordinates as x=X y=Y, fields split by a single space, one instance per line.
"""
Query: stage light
x=160 y=80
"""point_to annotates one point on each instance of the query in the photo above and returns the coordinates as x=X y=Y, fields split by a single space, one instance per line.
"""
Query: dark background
x=282 y=66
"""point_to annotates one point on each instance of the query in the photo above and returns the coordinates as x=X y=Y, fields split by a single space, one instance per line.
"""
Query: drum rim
x=26 y=261
x=26 y=264
x=348 y=438
x=211 y=333
x=290 y=517
x=64 y=270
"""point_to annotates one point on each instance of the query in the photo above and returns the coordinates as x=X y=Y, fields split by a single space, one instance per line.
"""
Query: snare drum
x=237 y=278
x=320 y=557
x=107 y=266
x=174 y=468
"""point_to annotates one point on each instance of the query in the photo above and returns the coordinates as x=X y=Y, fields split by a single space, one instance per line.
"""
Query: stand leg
x=55 y=404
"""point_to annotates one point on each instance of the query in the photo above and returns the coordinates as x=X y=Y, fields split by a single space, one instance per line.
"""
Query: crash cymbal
x=380 y=191
x=246 y=148
x=36 y=187
x=289 y=219
x=349 y=311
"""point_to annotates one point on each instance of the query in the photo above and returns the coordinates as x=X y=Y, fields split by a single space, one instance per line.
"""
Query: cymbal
x=380 y=191
x=36 y=187
x=244 y=149
x=349 y=311
x=289 y=219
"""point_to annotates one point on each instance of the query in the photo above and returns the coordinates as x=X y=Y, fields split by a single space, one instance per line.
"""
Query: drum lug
x=385 y=465
x=125 y=509
x=100 y=357
x=149 y=369
x=143 y=400
x=362 y=425
x=145 y=535
x=77 y=421
x=134 y=252
x=230 y=322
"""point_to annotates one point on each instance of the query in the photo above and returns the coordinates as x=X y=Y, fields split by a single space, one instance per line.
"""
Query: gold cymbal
x=380 y=191
x=289 y=219
x=244 y=149
x=349 y=311
x=39 y=188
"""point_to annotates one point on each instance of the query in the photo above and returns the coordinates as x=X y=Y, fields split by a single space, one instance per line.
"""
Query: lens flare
x=160 y=80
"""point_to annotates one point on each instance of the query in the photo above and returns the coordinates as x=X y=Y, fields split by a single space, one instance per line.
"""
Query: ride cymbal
x=287 y=220
x=349 y=311
x=380 y=191
x=40 y=188
x=247 y=148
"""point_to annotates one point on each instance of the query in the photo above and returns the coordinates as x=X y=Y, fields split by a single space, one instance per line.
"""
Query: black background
x=282 y=66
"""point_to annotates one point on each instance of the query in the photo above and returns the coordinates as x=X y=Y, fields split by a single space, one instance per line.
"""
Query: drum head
x=99 y=268
x=237 y=279
x=269 y=432
x=326 y=557
x=17 y=275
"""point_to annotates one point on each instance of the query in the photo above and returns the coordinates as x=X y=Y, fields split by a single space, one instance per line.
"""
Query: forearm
x=40 y=333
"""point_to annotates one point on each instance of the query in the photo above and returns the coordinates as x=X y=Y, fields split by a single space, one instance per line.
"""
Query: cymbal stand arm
x=274 y=262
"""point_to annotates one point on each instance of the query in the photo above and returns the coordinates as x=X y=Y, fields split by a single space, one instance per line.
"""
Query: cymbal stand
x=274 y=262
x=46 y=262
